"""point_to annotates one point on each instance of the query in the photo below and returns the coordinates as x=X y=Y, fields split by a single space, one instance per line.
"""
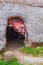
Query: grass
x=38 y=51
x=12 y=62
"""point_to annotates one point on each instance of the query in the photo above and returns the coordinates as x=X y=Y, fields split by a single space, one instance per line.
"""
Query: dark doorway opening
x=13 y=39
x=12 y=35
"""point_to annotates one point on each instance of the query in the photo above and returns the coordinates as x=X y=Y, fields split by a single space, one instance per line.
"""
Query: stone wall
x=38 y=3
x=33 y=18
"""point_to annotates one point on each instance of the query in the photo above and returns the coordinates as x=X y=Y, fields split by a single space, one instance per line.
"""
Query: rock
x=1 y=57
x=8 y=56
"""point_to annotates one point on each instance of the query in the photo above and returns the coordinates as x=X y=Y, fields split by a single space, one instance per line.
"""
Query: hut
x=30 y=11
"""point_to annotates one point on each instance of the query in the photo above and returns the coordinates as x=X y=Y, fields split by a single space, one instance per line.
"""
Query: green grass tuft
x=38 y=51
x=12 y=62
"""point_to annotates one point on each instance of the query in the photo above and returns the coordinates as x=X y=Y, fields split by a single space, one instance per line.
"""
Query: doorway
x=14 y=38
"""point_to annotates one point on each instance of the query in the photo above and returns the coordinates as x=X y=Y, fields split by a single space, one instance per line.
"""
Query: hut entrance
x=15 y=32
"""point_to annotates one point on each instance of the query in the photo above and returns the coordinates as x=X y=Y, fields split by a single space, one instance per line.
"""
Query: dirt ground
x=14 y=44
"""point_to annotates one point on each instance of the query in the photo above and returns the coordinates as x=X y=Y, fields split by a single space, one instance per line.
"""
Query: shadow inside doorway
x=13 y=41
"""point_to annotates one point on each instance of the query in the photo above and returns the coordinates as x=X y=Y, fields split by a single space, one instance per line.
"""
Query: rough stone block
x=8 y=56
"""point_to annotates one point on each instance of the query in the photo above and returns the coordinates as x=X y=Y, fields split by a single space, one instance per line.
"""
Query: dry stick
x=21 y=2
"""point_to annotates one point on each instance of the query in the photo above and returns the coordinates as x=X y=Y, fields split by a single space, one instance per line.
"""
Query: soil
x=14 y=44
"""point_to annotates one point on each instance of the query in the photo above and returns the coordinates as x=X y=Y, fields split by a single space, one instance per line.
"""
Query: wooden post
x=27 y=41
